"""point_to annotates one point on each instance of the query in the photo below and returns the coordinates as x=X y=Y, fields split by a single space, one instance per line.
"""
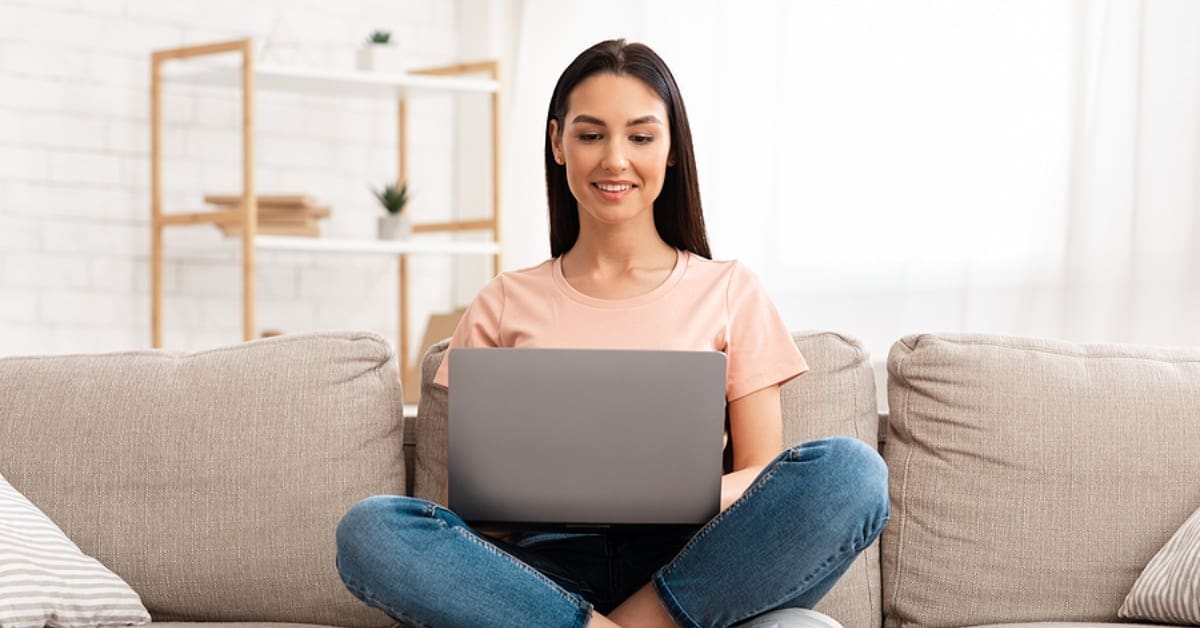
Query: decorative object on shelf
x=396 y=225
x=283 y=46
x=438 y=327
x=380 y=54
x=278 y=214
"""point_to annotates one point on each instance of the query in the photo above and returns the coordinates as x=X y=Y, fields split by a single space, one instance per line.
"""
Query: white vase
x=381 y=58
x=395 y=227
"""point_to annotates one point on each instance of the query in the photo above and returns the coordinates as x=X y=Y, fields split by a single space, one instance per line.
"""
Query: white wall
x=74 y=170
x=896 y=167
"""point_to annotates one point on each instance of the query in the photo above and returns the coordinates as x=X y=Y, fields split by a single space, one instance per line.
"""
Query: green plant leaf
x=379 y=37
x=392 y=199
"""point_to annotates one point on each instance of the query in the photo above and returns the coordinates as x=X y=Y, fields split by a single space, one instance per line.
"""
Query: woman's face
x=615 y=143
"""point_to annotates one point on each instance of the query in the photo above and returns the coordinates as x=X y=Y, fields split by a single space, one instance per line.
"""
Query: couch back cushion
x=212 y=482
x=836 y=397
x=1032 y=480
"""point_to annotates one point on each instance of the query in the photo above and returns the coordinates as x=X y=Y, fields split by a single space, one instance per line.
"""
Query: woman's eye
x=642 y=139
x=588 y=137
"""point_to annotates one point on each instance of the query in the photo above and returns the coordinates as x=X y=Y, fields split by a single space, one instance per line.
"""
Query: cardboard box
x=439 y=327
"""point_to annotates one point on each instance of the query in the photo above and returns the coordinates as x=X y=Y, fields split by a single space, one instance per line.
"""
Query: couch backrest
x=836 y=397
x=1032 y=480
x=212 y=482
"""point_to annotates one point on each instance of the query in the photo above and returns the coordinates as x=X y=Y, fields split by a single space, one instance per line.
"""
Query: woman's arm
x=756 y=427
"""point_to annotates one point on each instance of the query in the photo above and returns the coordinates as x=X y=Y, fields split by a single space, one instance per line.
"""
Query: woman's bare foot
x=642 y=610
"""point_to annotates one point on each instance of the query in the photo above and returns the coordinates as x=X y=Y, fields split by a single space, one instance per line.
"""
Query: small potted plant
x=396 y=225
x=380 y=54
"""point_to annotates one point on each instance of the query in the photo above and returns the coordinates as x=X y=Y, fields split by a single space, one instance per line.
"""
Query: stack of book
x=278 y=214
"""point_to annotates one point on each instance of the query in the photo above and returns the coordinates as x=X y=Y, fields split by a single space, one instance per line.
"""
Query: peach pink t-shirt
x=703 y=305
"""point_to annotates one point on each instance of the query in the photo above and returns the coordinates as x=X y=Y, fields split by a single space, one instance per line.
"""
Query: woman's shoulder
x=731 y=278
x=728 y=270
x=539 y=272
x=496 y=293
x=528 y=277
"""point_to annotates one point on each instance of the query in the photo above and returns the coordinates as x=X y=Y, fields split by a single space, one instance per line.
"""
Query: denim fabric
x=783 y=544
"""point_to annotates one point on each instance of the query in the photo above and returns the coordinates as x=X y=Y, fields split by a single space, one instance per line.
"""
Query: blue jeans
x=783 y=544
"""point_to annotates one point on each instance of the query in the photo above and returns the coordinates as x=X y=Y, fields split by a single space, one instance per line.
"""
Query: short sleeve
x=759 y=348
x=478 y=327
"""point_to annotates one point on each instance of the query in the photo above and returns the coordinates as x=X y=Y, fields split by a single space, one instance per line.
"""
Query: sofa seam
x=293 y=338
x=897 y=579
x=175 y=354
x=852 y=343
x=857 y=409
x=858 y=435
x=1047 y=351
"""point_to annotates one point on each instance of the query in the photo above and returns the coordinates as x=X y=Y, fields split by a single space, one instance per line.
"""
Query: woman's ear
x=555 y=142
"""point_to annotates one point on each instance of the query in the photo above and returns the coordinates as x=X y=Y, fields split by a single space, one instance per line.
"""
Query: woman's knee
x=372 y=519
x=854 y=474
x=856 y=462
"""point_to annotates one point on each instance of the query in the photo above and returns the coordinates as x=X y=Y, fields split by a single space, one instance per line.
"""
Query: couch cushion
x=1032 y=480
x=836 y=397
x=212 y=482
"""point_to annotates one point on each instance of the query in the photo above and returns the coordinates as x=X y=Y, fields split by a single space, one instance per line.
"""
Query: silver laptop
x=585 y=437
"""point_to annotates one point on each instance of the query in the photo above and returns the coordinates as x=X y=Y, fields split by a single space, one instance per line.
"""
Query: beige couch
x=1031 y=480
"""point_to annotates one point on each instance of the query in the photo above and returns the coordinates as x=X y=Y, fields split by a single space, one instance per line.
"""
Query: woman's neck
x=629 y=244
x=616 y=263
x=614 y=254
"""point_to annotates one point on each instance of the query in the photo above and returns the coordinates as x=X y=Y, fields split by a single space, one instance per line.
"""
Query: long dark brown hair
x=677 y=212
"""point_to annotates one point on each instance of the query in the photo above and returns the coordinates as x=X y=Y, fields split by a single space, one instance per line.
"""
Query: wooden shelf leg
x=495 y=72
x=156 y=286
x=401 y=179
x=249 y=198
x=156 y=227
x=402 y=340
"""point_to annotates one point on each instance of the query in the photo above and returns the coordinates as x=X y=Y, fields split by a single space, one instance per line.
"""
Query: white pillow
x=46 y=581
x=1168 y=591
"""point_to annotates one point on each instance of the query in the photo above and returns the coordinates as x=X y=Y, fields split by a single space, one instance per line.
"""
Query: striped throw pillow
x=45 y=580
x=1168 y=591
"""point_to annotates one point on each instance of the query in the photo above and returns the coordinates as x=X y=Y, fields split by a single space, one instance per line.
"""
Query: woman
x=631 y=269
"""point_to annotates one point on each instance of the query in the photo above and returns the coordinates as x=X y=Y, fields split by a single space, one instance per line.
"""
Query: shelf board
x=376 y=247
x=325 y=81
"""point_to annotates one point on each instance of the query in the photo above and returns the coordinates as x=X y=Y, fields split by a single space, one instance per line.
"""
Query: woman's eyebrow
x=583 y=118
x=650 y=119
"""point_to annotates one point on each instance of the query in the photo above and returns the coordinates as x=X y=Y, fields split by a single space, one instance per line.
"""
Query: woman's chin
x=614 y=219
x=616 y=214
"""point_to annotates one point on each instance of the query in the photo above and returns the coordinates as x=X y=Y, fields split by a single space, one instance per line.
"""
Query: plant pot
x=381 y=58
x=395 y=227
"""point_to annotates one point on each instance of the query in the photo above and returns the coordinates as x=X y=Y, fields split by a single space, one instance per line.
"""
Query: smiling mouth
x=607 y=187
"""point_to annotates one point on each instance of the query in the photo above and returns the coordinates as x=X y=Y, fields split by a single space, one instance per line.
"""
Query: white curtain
x=892 y=167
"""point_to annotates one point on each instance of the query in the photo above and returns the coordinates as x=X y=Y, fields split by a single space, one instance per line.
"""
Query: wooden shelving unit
x=250 y=78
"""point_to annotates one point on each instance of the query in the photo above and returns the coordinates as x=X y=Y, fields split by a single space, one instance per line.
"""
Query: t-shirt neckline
x=681 y=262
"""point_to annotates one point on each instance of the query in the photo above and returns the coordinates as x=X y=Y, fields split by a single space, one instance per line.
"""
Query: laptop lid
x=585 y=436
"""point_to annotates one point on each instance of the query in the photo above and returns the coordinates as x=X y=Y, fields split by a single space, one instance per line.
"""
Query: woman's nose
x=614 y=157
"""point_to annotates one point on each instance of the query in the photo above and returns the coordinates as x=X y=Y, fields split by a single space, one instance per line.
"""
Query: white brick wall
x=74 y=171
